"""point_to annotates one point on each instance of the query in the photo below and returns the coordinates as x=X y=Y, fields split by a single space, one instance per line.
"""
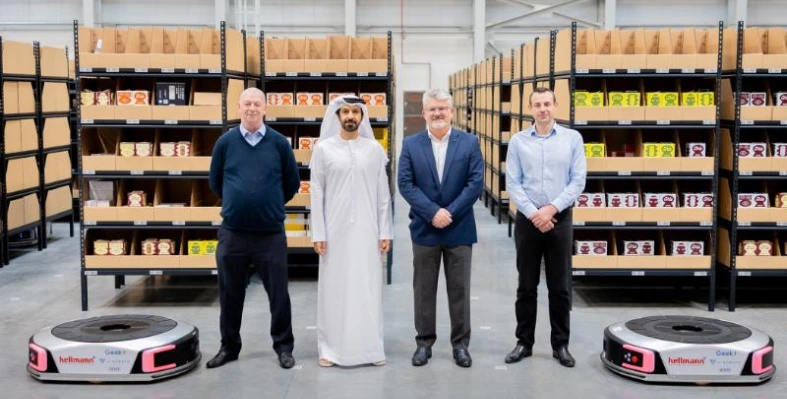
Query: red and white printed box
x=373 y=98
x=280 y=99
x=695 y=150
x=646 y=247
x=660 y=200
x=781 y=200
x=757 y=99
x=744 y=98
x=688 y=248
x=591 y=248
x=752 y=150
x=304 y=98
x=779 y=150
x=752 y=200
x=590 y=200
x=333 y=96
x=305 y=187
x=623 y=200
x=780 y=99
x=306 y=143
x=697 y=200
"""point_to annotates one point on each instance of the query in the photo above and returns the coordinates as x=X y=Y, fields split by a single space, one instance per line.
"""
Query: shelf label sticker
x=341 y=73
x=175 y=172
x=781 y=224
x=87 y=121
x=624 y=122
x=709 y=122
x=687 y=70
x=167 y=70
x=744 y=274
x=582 y=71
x=137 y=172
x=745 y=224
x=270 y=119
x=633 y=70
x=141 y=70
x=170 y=122
x=214 y=272
x=192 y=70
x=580 y=122
x=662 y=122
x=178 y=223
x=783 y=122
x=663 y=223
x=578 y=223
x=215 y=122
x=783 y=173
x=745 y=173
x=215 y=223
x=291 y=74
x=156 y=272
x=90 y=222
x=363 y=74
x=618 y=223
x=140 y=223
x=700 y=274
x=132 y=121
x=747 y=122
x=578 y=273
x=381 y=74
x=774 y=70
x=663 y=173
x=638 y=273
x=382 y=119
x=309 y=119
x=214 y=70
x=711 y=70
x=662 y=70
x=624 y=173
x=750 y=70
x=315 y=74
x=85 y=69
x=268 y=74
x=88 y=172
x=706 y=223
x=608 y=70
x=91 y=273
x=113 y=70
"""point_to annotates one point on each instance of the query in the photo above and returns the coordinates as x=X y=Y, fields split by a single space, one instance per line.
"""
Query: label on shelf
x=744 y=274
x=132 y=121
x=608 y=70
x=179 y=223
x=382 y=119
x=270 y=74
x=624 y=122
x=156 y=272
x=711 y=70
x=744 y=223
x=215 y=223
x=662 y=122
x=85 y=69
x=582 y=71
x=170 y=122
x=709 y=122
x=113 y=70
x=363 y=74
x=175 y=172
x=578 y=223
x=90 y=222
x=750 y=70
x=309 y=119
x=270 y=119
x=88 y=172
x=140 y=223
x=192 y=70
x=214 y=70
x=380 y=73
x=747 y=122
x=618 y=223
x=341 y=73
x=663 y=223
x=215 y=122
x=783 y=173
x=781 y=224
x=624 y=173
x=214 y=272
x=578 y=273
x=291 y=74
x=662 y=70
x=706 y=223
x=638 y=273
x=315 y=74
x=91 y=273
x=87 y=121
x=580 y=122
x=137 y=172
x=774 y=70
x=687 y=70
x=633 y=70
x=700 y=274
x=141 y=70
x=745 y=173
x=783 y=122
x=663 y=173
x=707 y=173
x=167 y=70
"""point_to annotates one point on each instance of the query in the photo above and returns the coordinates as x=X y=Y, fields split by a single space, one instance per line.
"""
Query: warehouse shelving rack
x=463 y=110
x=732 y=223
x=319 y=81
x=5 y=196
x=574 y=76
x=226 y=76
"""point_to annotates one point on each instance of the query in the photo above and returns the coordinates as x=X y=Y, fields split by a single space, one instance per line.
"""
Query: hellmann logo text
x=687 y=360
x=72 y=359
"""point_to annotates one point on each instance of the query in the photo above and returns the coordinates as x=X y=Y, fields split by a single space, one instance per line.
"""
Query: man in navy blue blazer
x=441 y=176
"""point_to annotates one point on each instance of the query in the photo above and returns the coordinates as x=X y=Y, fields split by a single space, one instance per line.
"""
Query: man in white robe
x=351 y=230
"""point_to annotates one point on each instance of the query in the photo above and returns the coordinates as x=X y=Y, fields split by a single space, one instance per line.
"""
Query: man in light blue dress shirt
x=545 y=172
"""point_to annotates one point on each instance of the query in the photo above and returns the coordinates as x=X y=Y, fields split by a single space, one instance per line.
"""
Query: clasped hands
x=442 y=218
x=321 y=247
x=544 y=218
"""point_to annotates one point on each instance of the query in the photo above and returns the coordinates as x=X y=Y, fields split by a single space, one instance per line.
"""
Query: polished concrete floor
x=42 y=288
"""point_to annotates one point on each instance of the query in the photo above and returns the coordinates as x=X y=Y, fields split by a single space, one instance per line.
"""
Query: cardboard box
x=752 y=200
x=335 y=95
x=137 y=199
x=305 y=98
x=755 y=248
x=11 y=97
x=374 y=98
x=661 y=99
x=622 y=200
x=757 y=99
x=781 y=200
x=305 y=187
x=143 y=149
x=624 y=99
x=171 y=93
x=280 y=99
x=306 y=143
x=55 y=97
x=27 y=103
x=590 y=200
x=780 y=99
x=588 y=99
x=206 y=98
x=660 y=200
x=695 y=150
x=591 y=248
x=638 y=248
x=687 y=248
x=752 y=150
x=658 y=150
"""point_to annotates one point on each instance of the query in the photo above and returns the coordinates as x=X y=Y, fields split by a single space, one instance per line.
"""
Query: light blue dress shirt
x=545 y=170
x=253 y=137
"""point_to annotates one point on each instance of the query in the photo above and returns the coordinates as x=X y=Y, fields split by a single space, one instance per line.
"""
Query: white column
x=479 y=30
x=736 y=11
x=220 y=7
x=88 y=13
x=610 y=7
x=349 y=17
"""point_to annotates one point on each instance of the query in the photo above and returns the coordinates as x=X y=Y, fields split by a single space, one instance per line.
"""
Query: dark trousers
x=426 y=264
x=555 y=248
x=236 y=251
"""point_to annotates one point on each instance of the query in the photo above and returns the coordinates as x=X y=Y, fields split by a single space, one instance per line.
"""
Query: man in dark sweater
x=254 y=173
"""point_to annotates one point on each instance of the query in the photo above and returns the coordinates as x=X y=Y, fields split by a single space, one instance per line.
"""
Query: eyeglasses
x=436 y=110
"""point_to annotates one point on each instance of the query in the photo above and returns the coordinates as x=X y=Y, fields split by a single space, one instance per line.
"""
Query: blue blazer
x=463 y=177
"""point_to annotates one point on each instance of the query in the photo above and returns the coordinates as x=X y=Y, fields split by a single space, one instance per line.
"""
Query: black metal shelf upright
x=494 y=140
x=5 y=196
x=741 y=129
x=574 y=76
x=290 y=81
x=225 y=75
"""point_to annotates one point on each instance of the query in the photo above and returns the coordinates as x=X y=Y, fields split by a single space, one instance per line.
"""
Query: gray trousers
x=426 y=271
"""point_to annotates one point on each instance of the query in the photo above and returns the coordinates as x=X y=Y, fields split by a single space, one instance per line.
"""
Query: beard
x=350 y=126
x=438 y=124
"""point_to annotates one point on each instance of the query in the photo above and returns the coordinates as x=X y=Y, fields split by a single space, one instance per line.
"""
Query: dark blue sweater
x=253 y=183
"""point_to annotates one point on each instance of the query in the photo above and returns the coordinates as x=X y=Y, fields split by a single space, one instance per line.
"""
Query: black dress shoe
x=286 y=361
x=462 y=357
x=421 y=356
x=563 y=356
x=221 y=358
x=520 y=352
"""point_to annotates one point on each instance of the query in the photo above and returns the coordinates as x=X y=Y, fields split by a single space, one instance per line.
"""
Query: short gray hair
x=439 y=95
x=253 y=91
